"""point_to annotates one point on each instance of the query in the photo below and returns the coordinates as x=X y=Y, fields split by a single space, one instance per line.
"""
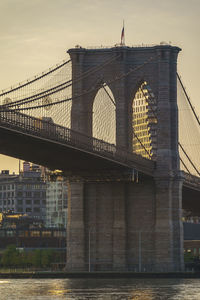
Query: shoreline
x=54 y=275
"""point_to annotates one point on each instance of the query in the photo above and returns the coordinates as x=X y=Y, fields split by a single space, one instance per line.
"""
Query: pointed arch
x=144 y=121
x=104 y=115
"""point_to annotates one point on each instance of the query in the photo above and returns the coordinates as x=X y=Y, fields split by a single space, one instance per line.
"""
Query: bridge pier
x=168 y=226
x=125 y=226
x=119 y=227
x=140 y=225
x=96 y=231
x=75 y=228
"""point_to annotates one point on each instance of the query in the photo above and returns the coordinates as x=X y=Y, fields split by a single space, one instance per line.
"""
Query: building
x=29 y=232
x=19 y=221
x=37 y=192
x=56 y=202
x=23 y=193
x=144 y=122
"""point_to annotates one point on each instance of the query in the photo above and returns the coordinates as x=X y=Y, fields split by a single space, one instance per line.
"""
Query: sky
x=35 y=34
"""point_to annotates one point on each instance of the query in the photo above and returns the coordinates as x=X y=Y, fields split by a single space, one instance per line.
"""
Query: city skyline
x=36 y=34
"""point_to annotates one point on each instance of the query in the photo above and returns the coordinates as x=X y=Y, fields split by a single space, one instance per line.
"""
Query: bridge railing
x=49 y=130
x=191 y=179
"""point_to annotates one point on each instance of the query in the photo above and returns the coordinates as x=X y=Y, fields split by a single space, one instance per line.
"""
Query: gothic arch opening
x=144 y=122
x=104 y=116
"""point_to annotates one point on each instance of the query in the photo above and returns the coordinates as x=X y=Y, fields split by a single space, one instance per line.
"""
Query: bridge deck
x=39 y=141
x=22 y=135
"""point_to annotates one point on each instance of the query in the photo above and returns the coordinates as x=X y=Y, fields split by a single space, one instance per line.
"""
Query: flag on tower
x=122 y=36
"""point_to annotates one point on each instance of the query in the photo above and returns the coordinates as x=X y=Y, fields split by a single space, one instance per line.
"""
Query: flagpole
x=122 y=36
x=124 y=33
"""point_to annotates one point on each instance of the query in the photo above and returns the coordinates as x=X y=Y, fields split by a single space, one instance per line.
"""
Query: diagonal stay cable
x=147 y=152
x=188 y=99
x=185 y=165
x=149 y=103
x=59 y=87
x=179 y=142
x=80 y=95
x=29 y=81
x=111 y=99
x=189 y=158
x=196 y=118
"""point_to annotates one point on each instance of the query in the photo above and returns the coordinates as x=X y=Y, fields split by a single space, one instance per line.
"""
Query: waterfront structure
x=29 y=232
x=34 y=238
x=19 y=221
x=36 y=192
x=56 y=203
x=23 y=193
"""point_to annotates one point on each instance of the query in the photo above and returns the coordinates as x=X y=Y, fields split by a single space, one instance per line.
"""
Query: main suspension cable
x=82 y=94
x=59 y=87
x=29 y=81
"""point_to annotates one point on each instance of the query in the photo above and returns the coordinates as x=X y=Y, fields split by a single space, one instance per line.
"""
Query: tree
x=46 y=257
x=10 y=257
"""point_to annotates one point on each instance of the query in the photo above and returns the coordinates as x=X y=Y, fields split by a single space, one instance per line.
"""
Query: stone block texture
x=128 y=225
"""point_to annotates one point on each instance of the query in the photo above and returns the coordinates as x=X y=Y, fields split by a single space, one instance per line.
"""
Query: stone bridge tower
x=121 y=225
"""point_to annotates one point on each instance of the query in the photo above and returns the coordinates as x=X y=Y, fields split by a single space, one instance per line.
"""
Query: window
x=58 y=234
x=28 y=194
x=36 y=194
x=10 y=233
x=36 y=209
x=21 y=233
x=20 y=209
x=28 y=186
x=2 y=233
x=46 y=233
x=28 y=202
x=37 y=201
x=35 y=233
x=28 y=209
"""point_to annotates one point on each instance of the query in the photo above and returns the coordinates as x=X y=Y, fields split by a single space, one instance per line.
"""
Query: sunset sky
x=35 y=34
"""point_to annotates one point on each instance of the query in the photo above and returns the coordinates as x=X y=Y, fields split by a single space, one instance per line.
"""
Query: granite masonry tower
x=121 y=225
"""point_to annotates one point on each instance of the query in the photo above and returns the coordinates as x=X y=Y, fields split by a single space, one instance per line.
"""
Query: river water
x=101 y=289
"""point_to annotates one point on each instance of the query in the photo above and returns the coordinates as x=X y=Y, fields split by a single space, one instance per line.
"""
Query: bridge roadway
x=36 y=140
x=58 y=147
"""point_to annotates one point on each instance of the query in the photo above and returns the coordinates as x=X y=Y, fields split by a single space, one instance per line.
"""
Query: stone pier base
x=125 y=226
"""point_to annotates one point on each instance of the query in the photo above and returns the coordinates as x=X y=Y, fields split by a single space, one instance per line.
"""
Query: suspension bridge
x=119 y=123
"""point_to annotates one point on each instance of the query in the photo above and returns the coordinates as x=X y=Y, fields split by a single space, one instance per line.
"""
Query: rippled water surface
x=105 y=289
